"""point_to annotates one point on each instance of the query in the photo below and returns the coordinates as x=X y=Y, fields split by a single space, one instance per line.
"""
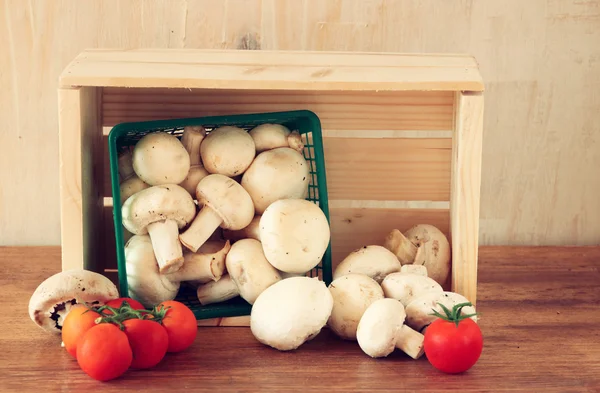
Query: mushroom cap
x=160 y=158
x=131 y=186
x=295 y=234
x=271 y=136
x=157 y=203
x=228 y=199
x=144 y=281
x=228 y=151
x=291 y=312
x=375 y=261
x=419 y=310
x=352 y=295
x=379 y=327
x=280 y=173
x=196 y=173
x=407 y=286
x=251 y=231
x=52 y=299
x=249 y=269
x=434 y=250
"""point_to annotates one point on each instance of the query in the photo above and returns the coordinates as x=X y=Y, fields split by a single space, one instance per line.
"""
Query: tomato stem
x=455 y=315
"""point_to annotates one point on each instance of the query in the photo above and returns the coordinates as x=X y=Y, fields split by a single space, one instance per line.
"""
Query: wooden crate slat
x=263 y=70
x=336 y=110
x=464 y=202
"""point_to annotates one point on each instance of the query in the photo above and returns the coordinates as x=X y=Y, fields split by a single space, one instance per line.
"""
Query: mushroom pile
x=224 y=212
x=384 y=296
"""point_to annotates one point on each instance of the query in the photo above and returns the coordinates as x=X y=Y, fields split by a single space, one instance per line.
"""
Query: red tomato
x=78 y=321
x=180 y=324
x=117 y=303
x=450 y=348
x=104 y=352
x=148 y=340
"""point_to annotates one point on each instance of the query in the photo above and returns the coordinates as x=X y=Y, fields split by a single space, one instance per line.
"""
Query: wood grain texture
x=80 y=172
x=552 y=299
x=366 y=111
x=267 y=70
x=539 y=60
x=465 y=194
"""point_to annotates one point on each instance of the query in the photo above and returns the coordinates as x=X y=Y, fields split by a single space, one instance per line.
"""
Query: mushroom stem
x=295 y=141
x=169 y=254
x=252 y=231
x=206 y=222
x=217 y=291
x=201 y=267
x=404 y=249
x=192 y=139
x=410 y=342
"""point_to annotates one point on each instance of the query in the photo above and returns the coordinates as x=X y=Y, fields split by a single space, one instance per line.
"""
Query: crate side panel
x=465 y=199
x=338 y=110
x=80 y=177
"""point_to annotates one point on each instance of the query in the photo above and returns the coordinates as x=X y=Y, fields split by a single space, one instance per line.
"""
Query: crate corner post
x=80 y=138
x=465 y=191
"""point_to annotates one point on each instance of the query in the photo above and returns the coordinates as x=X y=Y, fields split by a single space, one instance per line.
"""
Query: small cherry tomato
x=117 y=303
x=180 y=324
x=104 y=352
x=77 y=322
x=453 y=343
x=148 y=340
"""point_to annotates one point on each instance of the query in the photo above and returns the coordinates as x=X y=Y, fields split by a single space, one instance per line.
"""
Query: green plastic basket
x=125 y=135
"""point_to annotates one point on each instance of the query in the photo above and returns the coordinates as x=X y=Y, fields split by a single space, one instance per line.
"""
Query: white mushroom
x=294 y=234
x=224 y=203
x=191 y=139
x=160 y=158
x=374 y=261
x=248 y=270
x=251 y=231
x=148 y=286
x=53 y=298
x=281 y=173
x=217 y=291
x=407 y=286
x=352 y=295
x=422 y=245
x=291 y=312
x=271 y=136
x=160 y=211
x=130 y=183
x=420 y=310
x=227 y=151
x=381 y=330
x=414 y=269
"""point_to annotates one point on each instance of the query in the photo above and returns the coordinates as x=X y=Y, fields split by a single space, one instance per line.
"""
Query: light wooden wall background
x=540 y=60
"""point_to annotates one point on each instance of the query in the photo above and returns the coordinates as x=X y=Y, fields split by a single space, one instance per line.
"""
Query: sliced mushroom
x=150 y=287
x=227 y=151
x=251 y=231
x=291 y=312
x=374 y=261
x=381 y=330
x=160 y=211
x=53 y=298
x=422 y=245
x=191 y=139
x=352 y=295
x=280 y=173
x=224 y=203
x=249 y=271
x=271 y=136
x=420 y=310
x=160 y=158
x=407 y=286
x=294 y=234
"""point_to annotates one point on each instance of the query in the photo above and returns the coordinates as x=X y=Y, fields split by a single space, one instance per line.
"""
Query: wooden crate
x=402 y=136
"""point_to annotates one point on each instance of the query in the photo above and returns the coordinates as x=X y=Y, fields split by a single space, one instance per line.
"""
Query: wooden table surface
x=540 y=318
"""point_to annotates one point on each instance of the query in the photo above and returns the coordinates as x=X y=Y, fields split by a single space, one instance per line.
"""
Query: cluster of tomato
x=109 y=340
